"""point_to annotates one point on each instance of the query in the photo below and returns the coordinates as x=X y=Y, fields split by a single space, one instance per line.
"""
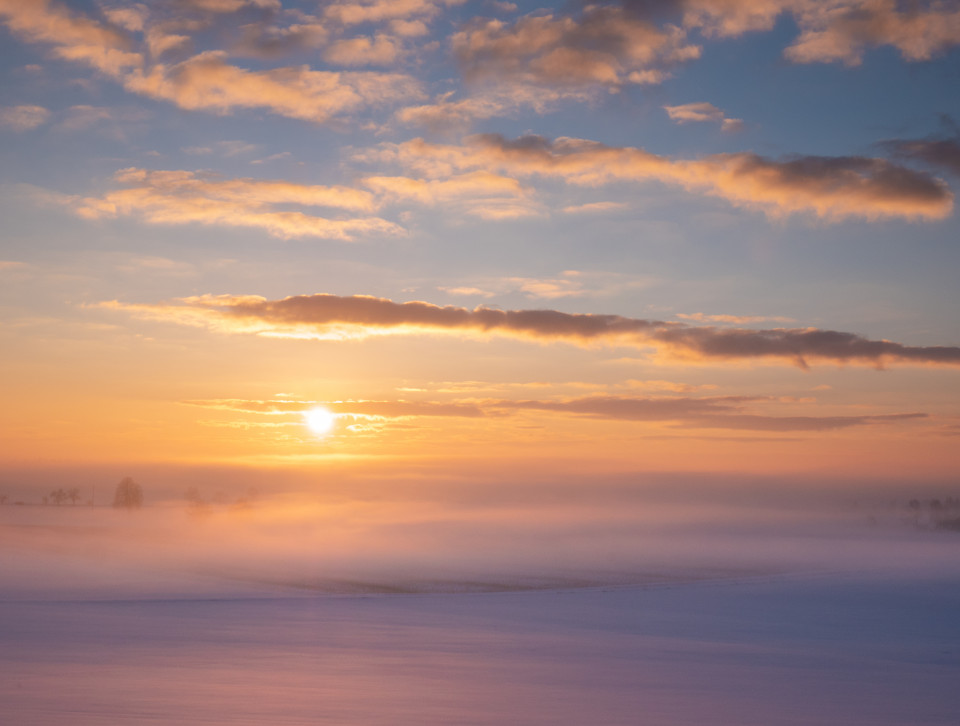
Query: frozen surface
x=793 y=650
x=434 y=616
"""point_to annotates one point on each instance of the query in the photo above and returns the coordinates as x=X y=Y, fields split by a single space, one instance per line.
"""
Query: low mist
x=436 y=535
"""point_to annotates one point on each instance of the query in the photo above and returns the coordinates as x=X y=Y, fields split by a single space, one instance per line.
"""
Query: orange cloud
x=606 y=46
x=751 y=422
x=569 y=283
x=480 y=193
x=323 y=316
x=734 y=319
x=379 y=51
x=446 y=115
x=593 y=207
x=696 y=112
x=832 y=188
x=205 y=81
x=375 y=11
x=717 y=412
x=359 y=409
x=75 y=37
x=181 y=197
x=463 y=290
x=729 y=18
x=839 y=30
x=230 y=6
x=919 y=31
x=23 y=118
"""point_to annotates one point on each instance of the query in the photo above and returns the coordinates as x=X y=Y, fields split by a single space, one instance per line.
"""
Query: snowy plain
x=107 y=618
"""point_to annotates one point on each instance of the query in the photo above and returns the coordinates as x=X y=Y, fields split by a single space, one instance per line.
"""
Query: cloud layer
x=604 y=46
x=324 y=316
x=181 y=197
x=711 y=412
x=534 y=62
x=831 y=188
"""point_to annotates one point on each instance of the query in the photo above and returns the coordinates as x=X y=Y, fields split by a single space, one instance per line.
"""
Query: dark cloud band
x=326 y=316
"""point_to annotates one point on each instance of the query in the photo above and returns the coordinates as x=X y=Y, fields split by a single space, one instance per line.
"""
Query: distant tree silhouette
x=196 y=504
x=129 y=494
x=58 y=496
x=73 y=495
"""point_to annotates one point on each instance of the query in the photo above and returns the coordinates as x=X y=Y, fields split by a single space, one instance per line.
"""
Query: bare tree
x=129 y=494
x=73 y=494
x=58 y=496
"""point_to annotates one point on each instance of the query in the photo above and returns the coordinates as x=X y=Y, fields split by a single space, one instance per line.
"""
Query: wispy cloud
x=23 y=118
x=84 y=116
x=358 y=409
x=182 y=197
x=734 y=319
x=468 y=291
x=478 y=193
x=832 y=188
x=207 y=82
x=273 y=157
x=226 y=148
x=447 y=115
x=592 y=207
x=376 y=11
x=700 y=112
x=230 y=6
x=715 y=412
x=324 y=316
x=569 y=283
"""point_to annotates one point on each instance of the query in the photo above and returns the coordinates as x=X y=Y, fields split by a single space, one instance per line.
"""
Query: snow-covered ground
x=100 y=628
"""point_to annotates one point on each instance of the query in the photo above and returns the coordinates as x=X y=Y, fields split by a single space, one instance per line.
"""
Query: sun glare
x=320 y=421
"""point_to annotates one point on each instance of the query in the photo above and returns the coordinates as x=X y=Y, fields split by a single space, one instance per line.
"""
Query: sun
x=320 y=420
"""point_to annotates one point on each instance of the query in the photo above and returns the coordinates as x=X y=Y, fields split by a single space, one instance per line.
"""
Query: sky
x=514 y=241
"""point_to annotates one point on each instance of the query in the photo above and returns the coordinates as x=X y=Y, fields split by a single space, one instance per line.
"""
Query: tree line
x=128 y=495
